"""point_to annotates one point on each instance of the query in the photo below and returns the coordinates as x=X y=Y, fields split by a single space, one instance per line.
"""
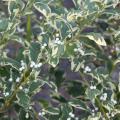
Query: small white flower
x=36 y=66
x=76 y=118
x=103 y=97
x=45 y=44
x=20 y=87
x=75 y=50
x=59 y=42
x=39 y=113
x=96 y=108
x=115 y=102
x=69 y=36
x=69 y=118
x=22 y=63
x=56 y=42
x=26 y=90
x=6 y=94
x=71 y=115
x=109 y=56
x=10 y=79
x=112 y=114
x=42 y=47
x=32 y=64
x=87 y=69
x=41 y=17
x=57 y=35
x=30 y=107
x=27 y=115
x=18 y=79
x=92 y=87
x=39 y=65
x=43 y=113
x=82 y=53
x=57 y=39
x=93 y=110
x=105 y=94
x=22 y=68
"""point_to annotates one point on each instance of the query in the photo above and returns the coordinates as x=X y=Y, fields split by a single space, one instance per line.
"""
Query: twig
x=10 y=100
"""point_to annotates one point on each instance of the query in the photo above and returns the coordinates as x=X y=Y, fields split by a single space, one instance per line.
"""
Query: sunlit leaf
x=97 y=38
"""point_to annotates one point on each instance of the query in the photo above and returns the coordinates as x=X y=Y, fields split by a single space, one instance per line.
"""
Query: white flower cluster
x=43 y=46
x=6 y=94
x=22 y=66
x=94 y=111
x=26 y=90
x=79 y=50
x=87 y=69
x=27 y=115
x=92 y=87
x=33 y=65
x=57 y=41
x=41 y=113
x=103 y=97
x=69 y=36
x=71 y=115
x=17 y=79
x=10 y=80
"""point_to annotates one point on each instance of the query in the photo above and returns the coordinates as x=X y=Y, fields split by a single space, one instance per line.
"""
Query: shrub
x=35 y=35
